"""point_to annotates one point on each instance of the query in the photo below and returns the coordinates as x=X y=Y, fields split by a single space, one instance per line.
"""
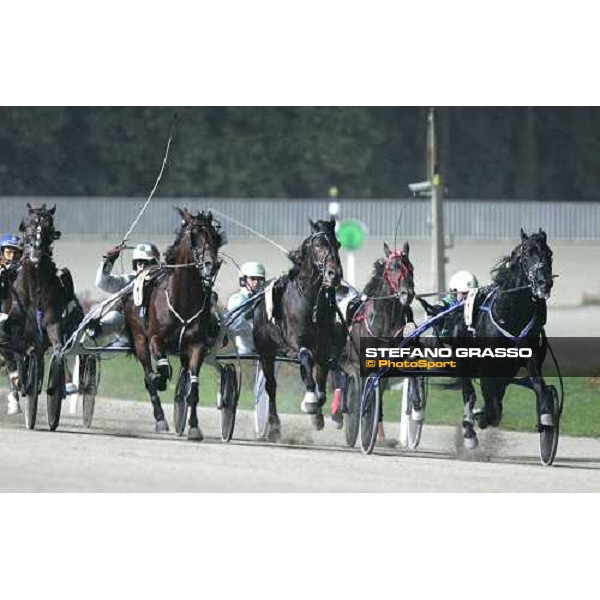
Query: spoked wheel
x=55 y=392
x=417 y=401
x=549 y=435
x=351 y=407
x=33 y=376
x=180 y=405
x=370 y=409
x=89 y=369
x=229 y=391
x=261 y=405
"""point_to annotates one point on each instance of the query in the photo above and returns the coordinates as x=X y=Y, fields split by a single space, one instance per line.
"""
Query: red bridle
x=405 y=269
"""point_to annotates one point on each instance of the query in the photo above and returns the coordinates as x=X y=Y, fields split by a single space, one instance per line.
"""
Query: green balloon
x=351 y=234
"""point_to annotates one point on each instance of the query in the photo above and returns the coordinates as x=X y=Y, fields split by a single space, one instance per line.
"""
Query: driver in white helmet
x=145 y=256
x=252 y=280
x=252 y=277
x=460 y=284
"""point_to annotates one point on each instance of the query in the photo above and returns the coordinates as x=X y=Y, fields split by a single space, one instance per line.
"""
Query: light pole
x=433 y=187
x=438 y=255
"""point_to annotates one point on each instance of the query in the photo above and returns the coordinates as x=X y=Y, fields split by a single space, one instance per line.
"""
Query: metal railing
x=464 y=219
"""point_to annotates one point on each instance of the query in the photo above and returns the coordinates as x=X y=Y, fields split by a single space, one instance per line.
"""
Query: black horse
x=303 y=321
x=512 y=310
x=42 y=307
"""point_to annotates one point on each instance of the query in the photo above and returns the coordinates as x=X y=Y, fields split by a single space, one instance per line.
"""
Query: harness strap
x=488 y=308
x=184 y=322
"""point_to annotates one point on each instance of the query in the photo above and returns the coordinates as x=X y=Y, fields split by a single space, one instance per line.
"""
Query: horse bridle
x=199 y=253
x=405 y=270
x=29 y=247
x=530 y=268
x=321 y=264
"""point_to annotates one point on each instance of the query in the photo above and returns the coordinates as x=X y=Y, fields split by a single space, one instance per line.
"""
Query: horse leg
x=468 y=423
x=163 y=367
x=196 y=359
x=318 y=420
x=268 y=369
x=544 y=401
x=143 y=354
x=493 y=389
x=310 y=402
x=12 y=369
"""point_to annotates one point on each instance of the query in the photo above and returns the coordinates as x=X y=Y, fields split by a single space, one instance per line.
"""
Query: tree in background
x=299 y=152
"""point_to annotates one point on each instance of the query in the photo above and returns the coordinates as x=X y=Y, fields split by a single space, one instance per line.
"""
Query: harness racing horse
x=514 y=309
x=179 y=319
x=384 y=313
x=303 y=321
x=39 y=306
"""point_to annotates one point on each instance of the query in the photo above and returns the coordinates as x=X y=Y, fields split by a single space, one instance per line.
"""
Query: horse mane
x=206 y=222
x=375 y=285
x=503 y=270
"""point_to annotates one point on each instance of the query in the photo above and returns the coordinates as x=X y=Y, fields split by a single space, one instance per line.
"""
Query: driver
x=145 y=256
x=252 y=277
x=11 y=250
x=252 y=280
x=460 y=284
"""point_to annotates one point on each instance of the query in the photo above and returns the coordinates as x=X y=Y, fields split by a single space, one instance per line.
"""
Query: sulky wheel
x=33 y=376
x=89 y=369
x=229 y=393
x=55 y=392
x=351 y=404
x=180 y=405
x=370 y=409
x=549 y=435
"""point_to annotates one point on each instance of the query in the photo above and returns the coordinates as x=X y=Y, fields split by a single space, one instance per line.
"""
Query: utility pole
x=438 y=258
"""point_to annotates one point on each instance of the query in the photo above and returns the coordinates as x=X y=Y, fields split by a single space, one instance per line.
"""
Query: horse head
x=535 y=258
x=321 y=249
x=398 y=273
x=38 y=231
x=199 y=240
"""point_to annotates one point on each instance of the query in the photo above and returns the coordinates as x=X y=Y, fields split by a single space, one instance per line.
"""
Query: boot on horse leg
x=159 y=416
x=310 y=402
x=194 y=432
x=470 y=440
x=274 y=425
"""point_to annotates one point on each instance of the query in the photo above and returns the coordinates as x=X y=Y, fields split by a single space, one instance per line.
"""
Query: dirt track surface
x=120 y=453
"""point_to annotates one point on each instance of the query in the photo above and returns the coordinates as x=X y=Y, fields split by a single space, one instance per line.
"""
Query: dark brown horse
x=386 y=308
x=39 y=302
x=179 y=319
x=305 y=313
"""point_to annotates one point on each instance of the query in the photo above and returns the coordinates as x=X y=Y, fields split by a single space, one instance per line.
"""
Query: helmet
x=463 y=281
x=10 y=241
x=146 y=252
x=252 y=269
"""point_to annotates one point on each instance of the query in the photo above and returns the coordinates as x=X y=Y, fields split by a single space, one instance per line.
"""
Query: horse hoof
x=338 y=420
x=318 y=421
x=274 y=434
x=546 y=420
x=310 y=404
x=162 y=426
x=480 y=419
x=470 y=443
x=195 y=435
